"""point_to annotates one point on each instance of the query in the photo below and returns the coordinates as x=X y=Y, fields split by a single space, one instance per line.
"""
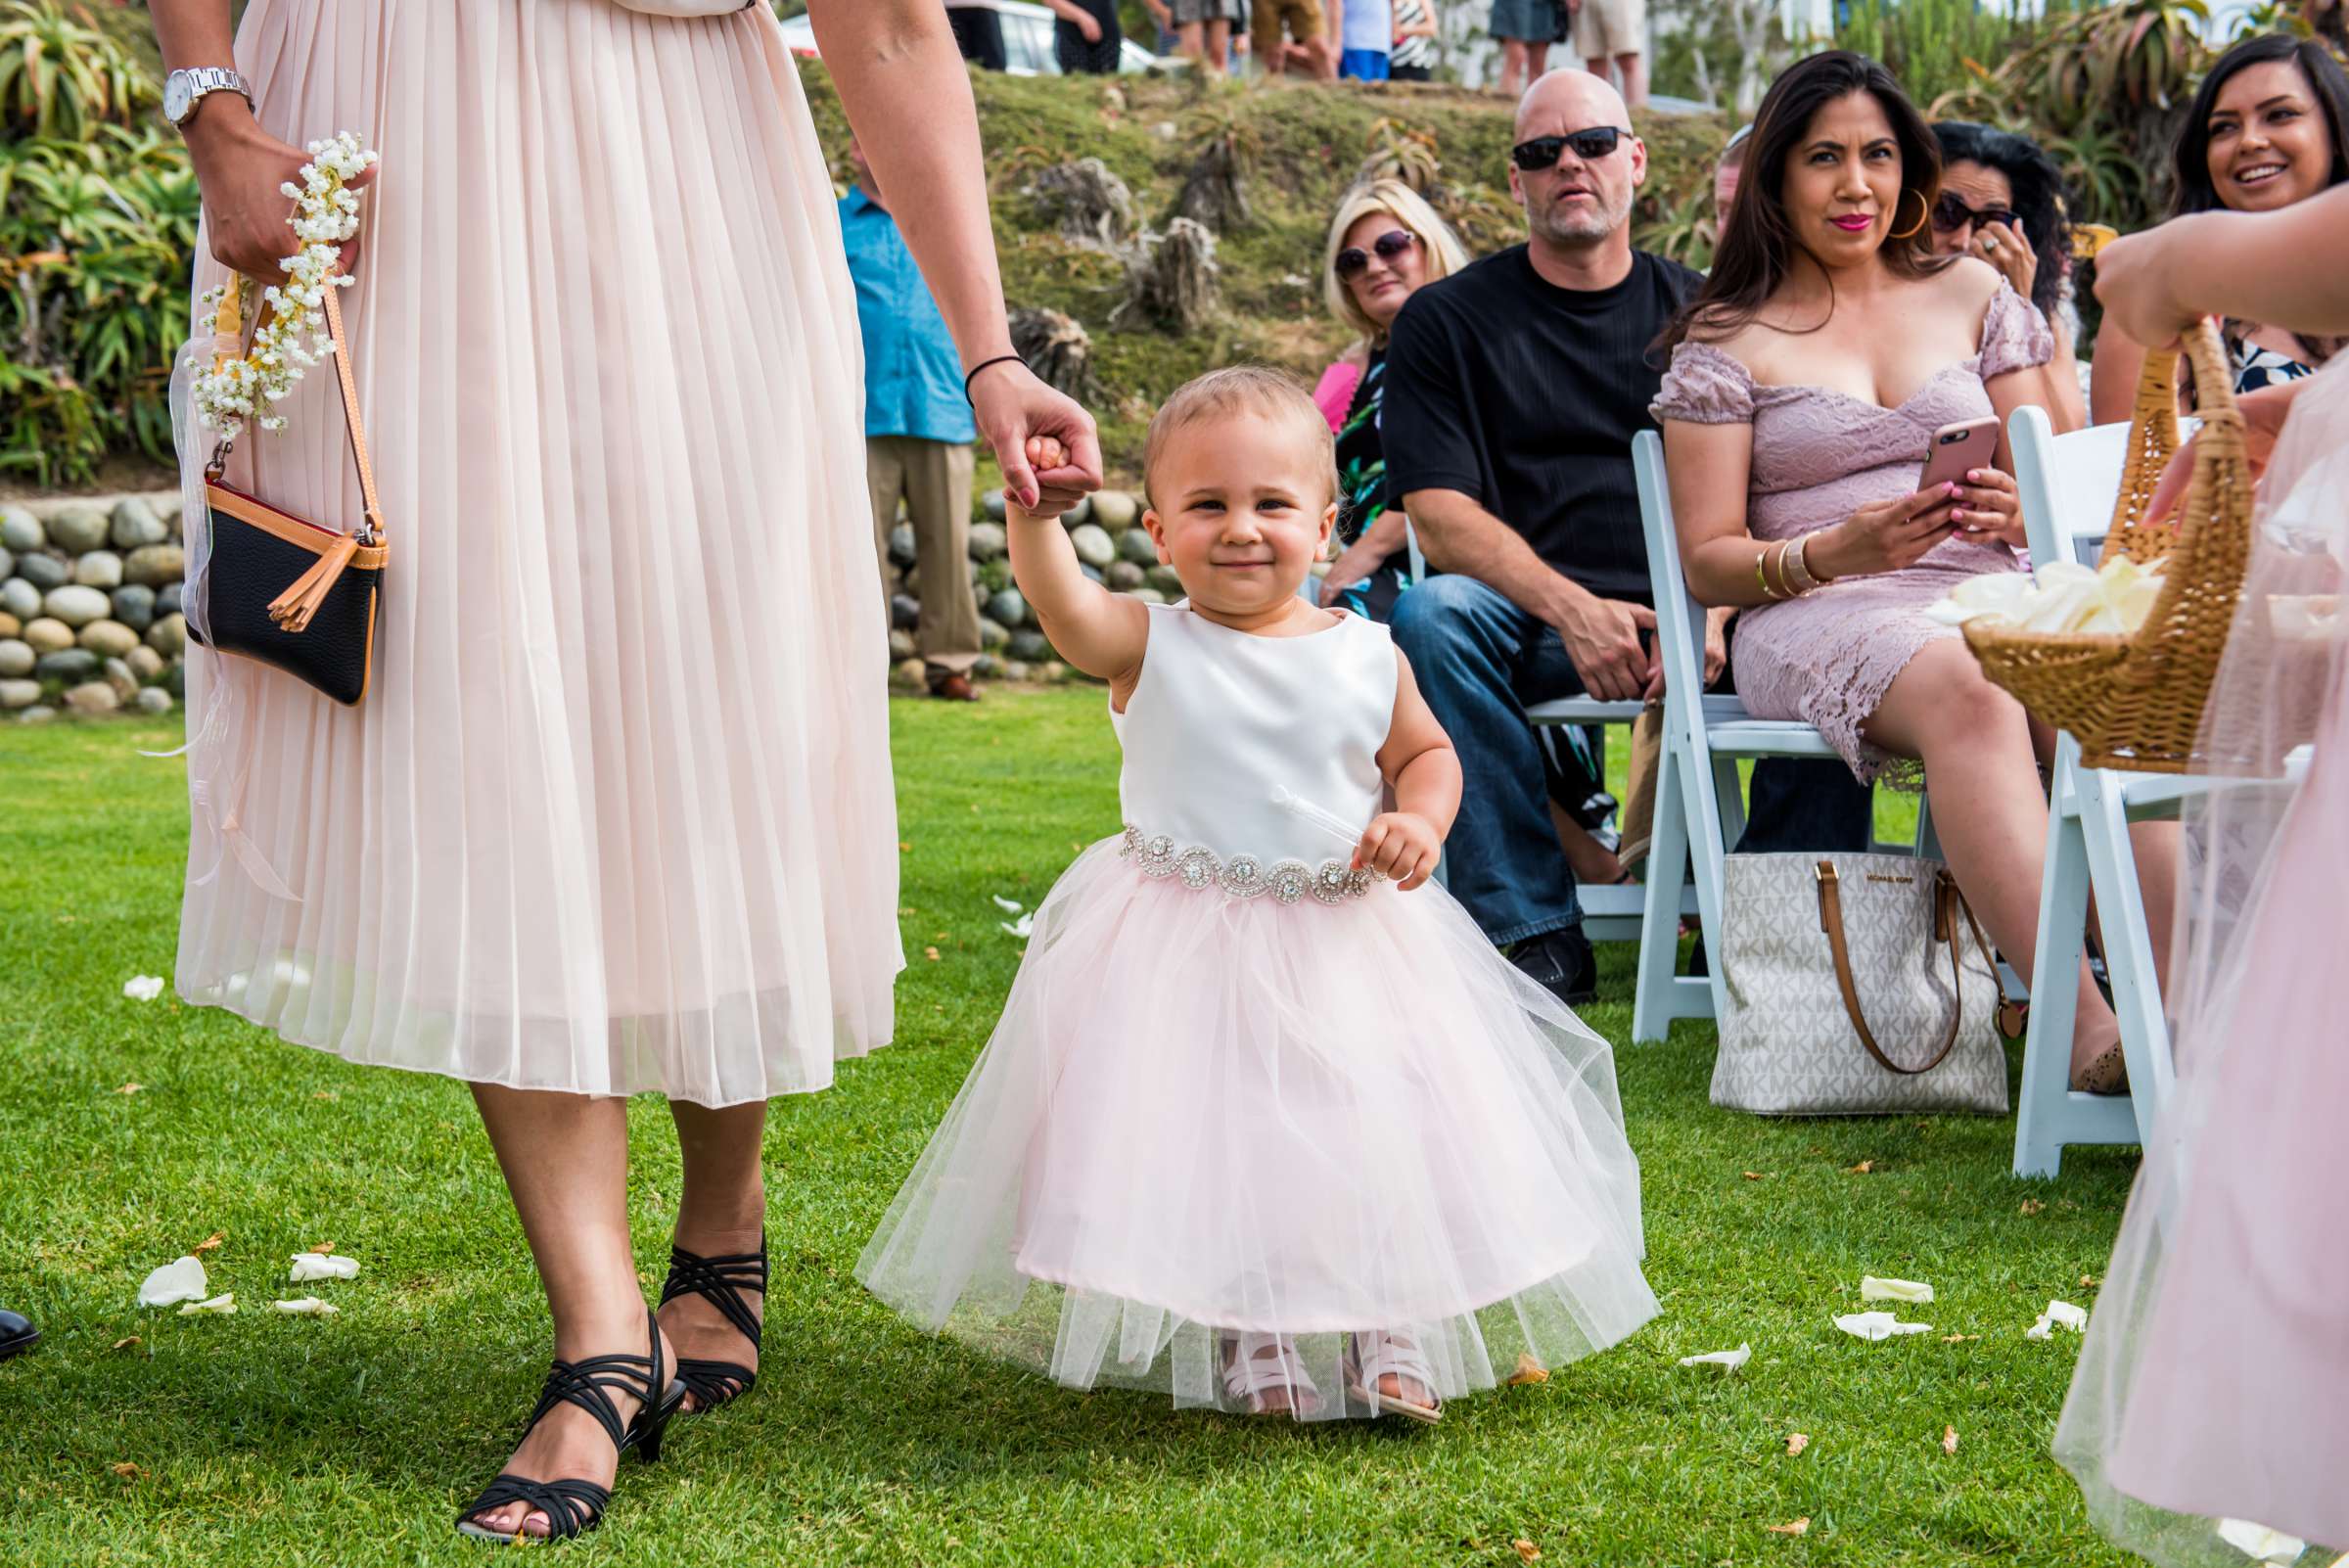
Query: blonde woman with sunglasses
x=1384 y=243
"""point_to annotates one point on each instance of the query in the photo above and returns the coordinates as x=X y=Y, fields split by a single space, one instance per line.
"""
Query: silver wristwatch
x=183 y=90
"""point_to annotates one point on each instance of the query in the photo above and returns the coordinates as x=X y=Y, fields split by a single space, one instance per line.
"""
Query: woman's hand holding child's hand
x=1403 y=845
x=1059 y=486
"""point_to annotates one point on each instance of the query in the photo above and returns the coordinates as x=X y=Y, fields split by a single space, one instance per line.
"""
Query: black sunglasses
x=1389 y=246
x=1589 y=145
x=1950 y=214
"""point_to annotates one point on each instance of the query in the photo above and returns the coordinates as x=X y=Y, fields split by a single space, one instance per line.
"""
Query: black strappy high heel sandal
x=720 y=1281
x=573 y=1506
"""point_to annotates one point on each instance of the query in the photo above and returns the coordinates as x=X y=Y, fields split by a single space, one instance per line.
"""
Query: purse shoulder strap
x=346 y=384
x=1830 y=920
x=352 y=424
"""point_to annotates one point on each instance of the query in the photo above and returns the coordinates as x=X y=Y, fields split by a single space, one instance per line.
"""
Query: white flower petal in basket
x=306 y=1307
x=181 y=1279
x=2259 y=1543
x=1727 y=1360
x=1874 y=1289
x=224 y=1304
x=143 y=988
x=1877 y=1327
x=309 y=1265
x=1987 y=594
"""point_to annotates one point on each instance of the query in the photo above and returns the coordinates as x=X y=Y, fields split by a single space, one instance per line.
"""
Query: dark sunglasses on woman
x=1589 y=145
x=1950 y=214
x=1389 y=246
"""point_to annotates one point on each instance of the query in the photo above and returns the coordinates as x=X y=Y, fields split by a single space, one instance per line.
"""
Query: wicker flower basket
x=2135 y=700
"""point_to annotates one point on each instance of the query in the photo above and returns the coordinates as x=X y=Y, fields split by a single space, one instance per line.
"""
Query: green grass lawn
x=137 y=1437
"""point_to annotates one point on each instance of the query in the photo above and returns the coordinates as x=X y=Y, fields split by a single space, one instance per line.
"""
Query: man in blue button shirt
x=917 y=432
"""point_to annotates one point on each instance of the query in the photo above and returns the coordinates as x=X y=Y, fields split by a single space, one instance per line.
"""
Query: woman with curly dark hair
x=2002 y=199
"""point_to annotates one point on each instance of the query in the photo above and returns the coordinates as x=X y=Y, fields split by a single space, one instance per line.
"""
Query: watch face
x=178 y=98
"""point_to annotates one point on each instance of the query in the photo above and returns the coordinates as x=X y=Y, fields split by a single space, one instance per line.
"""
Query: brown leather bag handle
x=1946 y=903
x=346 y=384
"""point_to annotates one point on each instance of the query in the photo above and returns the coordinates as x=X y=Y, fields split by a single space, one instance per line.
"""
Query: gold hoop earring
x=1925 y=211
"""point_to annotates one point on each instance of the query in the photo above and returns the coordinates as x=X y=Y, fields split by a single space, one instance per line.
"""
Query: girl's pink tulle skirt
x=1202 y=1114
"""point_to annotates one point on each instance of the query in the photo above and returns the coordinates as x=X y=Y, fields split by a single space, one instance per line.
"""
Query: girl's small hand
x=1989 y=508
x=1045 y=455
x=1403 y=845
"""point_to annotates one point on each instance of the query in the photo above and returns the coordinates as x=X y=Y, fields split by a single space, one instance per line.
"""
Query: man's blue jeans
x=1479 y=660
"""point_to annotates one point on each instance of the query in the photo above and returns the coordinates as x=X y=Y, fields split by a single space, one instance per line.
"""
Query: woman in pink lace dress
x=1807 y=381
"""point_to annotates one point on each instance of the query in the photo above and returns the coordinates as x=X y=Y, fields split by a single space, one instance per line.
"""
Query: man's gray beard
x=1577 y=228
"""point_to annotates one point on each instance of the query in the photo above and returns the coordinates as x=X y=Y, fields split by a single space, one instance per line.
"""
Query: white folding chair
x=1698 y=812
x=2067 y=484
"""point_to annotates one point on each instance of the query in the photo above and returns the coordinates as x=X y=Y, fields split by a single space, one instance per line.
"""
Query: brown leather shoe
x=954 y=688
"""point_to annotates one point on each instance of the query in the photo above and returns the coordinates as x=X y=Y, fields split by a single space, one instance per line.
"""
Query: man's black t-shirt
x=1526 y=397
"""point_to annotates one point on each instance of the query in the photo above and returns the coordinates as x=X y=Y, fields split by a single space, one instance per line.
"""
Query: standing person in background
x=978 y=33
x=1526 y=29
x=917 y=432
x=1289 y=40
x=1085 y=37
x=1414 y=52
x=1203 y=31
x=1365 y=30
x=1614 y=32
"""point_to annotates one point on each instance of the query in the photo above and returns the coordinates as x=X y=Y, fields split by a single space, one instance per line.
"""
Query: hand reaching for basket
x=2263 y=412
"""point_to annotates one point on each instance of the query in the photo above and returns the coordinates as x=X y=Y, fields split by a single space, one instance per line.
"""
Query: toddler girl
x=1267 y=1123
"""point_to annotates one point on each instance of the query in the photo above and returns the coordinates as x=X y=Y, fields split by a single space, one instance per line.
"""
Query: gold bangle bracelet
x=1776 y=554
x=1761 y=578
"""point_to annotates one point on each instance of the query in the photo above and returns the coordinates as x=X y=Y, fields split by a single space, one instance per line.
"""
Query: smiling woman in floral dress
x=616 y=817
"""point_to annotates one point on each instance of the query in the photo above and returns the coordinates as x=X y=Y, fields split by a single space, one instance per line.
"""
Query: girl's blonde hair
x=1240 y=389
x=1442 y=249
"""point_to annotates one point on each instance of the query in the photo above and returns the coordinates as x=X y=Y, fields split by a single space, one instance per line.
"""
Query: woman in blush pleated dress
x=2209 y=1416
x=617 y=815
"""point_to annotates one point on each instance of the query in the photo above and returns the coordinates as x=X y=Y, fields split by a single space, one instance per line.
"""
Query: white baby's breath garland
x=238 y=384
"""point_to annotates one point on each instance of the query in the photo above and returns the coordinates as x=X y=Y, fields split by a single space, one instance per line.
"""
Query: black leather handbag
x=295 y=594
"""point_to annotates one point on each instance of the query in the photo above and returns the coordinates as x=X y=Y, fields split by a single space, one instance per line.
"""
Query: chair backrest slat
x=2067 y=484
x=1679 y=618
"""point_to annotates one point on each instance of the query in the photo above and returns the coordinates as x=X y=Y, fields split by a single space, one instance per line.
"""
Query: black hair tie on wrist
x=999 y=359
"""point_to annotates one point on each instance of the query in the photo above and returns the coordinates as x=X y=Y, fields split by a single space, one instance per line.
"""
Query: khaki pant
x=1606 y=28
x=934 y=478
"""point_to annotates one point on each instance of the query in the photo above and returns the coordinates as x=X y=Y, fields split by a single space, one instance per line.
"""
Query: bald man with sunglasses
x=1513 y=390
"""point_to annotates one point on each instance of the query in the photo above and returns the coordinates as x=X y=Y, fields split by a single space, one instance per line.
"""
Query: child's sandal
x=1254 y=1364
x=1377 y=1355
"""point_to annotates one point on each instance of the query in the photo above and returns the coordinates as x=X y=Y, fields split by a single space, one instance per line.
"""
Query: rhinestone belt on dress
x=1244 y=876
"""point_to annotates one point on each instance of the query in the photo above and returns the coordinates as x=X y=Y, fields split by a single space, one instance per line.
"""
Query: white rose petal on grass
x=1875 y=1326
x=309 y=1265
x=2259 y=1543
x=224 y=1303
x=2059 y=1315
x=1007 y=905
x=1874 y=1289
x=306 y=1307
x=143 y=988
x=181 y=1279
x=1023 y=928
x=1728 y=1361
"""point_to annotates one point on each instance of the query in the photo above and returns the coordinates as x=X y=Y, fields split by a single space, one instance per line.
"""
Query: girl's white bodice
x=1224 y=726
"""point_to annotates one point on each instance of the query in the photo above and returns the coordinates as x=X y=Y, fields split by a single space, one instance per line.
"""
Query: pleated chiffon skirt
x=617 y=814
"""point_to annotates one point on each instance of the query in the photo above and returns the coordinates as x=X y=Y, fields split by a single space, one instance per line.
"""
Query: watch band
x=200 y=81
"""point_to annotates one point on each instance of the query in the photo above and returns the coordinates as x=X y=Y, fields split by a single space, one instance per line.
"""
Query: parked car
x=1026 y=43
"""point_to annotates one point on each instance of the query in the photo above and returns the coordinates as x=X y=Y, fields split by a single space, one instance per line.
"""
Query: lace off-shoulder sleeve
x=2015 y=336
x=1705 y=386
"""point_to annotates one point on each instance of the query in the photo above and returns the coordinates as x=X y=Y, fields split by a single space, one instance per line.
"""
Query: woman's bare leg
x=1536 y=60
x=1986 y=807
x=1512 y=67
x=1593 y=862
x=1219 y=48
x=566 y=1160
x=722 y=1212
